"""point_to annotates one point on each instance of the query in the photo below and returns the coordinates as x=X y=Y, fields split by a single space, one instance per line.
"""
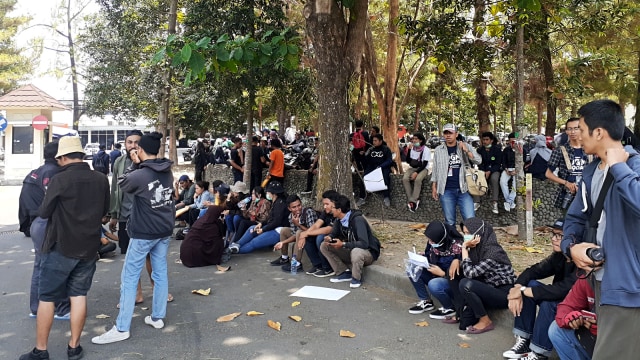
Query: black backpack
x=101 y=163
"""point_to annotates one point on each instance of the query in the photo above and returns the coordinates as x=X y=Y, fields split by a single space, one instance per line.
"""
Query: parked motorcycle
x=188 y=155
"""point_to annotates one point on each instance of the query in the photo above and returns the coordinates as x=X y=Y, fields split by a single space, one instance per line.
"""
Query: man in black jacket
x=508 y=173
x=527 y=294
x=351 y=240
x=75 y=202
x=491 y=153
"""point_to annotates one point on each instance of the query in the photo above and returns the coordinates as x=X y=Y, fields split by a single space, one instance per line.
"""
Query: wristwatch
x=522 y=289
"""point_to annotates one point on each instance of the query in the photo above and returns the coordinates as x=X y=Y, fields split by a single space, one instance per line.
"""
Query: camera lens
x=595 y=254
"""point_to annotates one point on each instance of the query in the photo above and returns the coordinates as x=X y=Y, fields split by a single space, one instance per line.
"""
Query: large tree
x=14 y=66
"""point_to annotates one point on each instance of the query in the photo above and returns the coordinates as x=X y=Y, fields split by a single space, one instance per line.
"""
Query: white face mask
x=269 y=197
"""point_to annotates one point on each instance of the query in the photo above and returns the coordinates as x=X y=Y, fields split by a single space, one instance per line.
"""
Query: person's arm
x=569 y=309
x=234 y=164
x=50 y=201
x=388 y=158
x=278 y=212
x=361 y=235
x=311 y=218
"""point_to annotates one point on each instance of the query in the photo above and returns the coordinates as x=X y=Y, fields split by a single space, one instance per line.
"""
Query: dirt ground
x=398 y=237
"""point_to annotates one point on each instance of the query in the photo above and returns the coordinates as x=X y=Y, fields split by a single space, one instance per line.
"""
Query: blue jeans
x=566 y=343
x=528 y=326
x=133 y=264
x=428 y=285
x=38 y=229
x=452 y=198
x=509 y=196
x=251 y=241
x=313 y=252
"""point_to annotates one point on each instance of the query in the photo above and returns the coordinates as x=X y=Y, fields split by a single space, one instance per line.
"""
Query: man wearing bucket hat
x=529 y=295
x=76 y=200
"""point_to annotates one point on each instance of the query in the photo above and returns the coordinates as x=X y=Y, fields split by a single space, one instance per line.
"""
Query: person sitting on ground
x=201 y=199
x=574 y=332
x=529 y=295
x=488 y=275
x=351 y=240
x=509 y=173
x=266 y=234
x=300 y=219
x=379 y=156
x=322 y=227
x=491 y=153
x=237 y=201
x=106 y=245
x=203 y=245
x=258 y=212
x=418 y=160
x=183 y=194
x=443 y=250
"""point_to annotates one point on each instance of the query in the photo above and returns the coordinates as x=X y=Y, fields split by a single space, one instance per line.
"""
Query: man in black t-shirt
x=257 y=162
x=236 y=159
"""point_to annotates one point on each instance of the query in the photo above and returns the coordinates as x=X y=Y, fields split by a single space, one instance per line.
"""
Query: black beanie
x=150 y=143
x=133 y=132
x=50 y=150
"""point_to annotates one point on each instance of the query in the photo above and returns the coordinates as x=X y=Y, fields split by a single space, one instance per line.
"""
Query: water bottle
x=294 y=265
x=568 y=198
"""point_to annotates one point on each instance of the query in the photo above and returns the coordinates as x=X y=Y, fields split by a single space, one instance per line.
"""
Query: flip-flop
x=472 y=330
x=137 y=303
x=169 y=298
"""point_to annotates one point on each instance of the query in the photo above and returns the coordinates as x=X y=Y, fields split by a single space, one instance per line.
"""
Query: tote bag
x=374 y=181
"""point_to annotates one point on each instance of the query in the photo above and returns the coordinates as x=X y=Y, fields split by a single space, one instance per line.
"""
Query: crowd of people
x=586 y=311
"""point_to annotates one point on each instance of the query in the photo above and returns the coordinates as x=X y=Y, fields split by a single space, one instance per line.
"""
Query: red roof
x=30 y=97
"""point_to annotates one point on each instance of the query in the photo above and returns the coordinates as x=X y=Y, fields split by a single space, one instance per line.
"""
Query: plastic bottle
x=294 y=265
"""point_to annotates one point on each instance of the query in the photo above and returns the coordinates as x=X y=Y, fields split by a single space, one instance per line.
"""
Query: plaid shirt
x=489 y=271
x=308 y=217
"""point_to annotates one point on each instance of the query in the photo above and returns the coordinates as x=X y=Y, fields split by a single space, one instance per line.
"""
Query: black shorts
x=62 y=277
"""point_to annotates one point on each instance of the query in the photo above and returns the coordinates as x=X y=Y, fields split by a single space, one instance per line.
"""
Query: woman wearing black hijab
x=488 y=274
x=204 y=243
x=444 y=246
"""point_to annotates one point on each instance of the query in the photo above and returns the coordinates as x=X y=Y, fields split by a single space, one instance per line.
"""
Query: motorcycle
x=188 y=155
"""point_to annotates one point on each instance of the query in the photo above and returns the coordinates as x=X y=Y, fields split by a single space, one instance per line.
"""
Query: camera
x=595 y=254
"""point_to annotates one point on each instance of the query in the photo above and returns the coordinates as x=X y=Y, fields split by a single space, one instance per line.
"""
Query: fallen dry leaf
x=228 y=317
x=422 y=324
x=418 y=226
x=533 y=250
x=254 y=313
x=273 y=324
x=347 y=333
x=295 y=303
x=102 y=316
x=202 y=292
x=464 y=345
x=295 y=318
x=223 y=268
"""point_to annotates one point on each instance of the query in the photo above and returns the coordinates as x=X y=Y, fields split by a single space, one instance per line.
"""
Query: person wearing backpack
x=418 y=158
x=101 y=160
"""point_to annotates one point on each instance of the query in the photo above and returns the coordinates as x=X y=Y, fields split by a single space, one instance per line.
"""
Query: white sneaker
x=111 y=336
x=495 y=208
x=476 y=206
x=234 y=248
x=158 y=324
x=507 y=206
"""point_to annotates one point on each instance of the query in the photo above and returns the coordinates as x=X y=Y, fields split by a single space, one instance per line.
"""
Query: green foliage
x=14 y=66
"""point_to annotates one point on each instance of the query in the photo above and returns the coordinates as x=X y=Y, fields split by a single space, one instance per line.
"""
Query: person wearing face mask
x=491 y=153
x=418 y=159
x=488 y=276
x=257 y=211
x=444 y=247
x=266 y=234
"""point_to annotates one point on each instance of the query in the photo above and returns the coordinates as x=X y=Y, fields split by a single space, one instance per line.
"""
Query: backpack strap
x=567 y=161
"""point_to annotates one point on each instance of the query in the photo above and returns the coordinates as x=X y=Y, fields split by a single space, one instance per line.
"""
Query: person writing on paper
x=379 y=156
x=444 y=249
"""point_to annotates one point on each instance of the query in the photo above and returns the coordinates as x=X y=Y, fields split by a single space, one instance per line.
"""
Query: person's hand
x=463 y=146
x=571 y=187
x=434 y=193
x=258 y=230
x=574 y=319
x=515 y=293
x=616 y=155
x=414 y=176
x=277 y=246
x=436 y=270
x=337 y=244
x=590 y=324
x=295 y=219
x=112 y=224
x=487 y=174
x=515 y=306
x=472 y=243
x=225 y=212
x=133 y=154
x=454 y=268
x=580 y=258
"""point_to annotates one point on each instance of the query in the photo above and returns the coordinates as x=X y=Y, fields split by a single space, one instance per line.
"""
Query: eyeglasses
x=572 y=129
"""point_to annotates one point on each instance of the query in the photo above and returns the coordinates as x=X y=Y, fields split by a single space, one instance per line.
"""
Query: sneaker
x=74 y=353
x=180 y=225
x=387 y=202
x=417 y=205
x=35 y=354
x=234 y=247
x=312 y=271
x=495 y=208
x=412 y=206
x=321 y=273
x=158 y=324
x=287 y=267
x=476 y=206
x=534 y=356
x=355 y=283
x=306 y=192
x=519 y=350
x=66 y=316
x=360 y=202
x=185 y=231
x=507 y=206
x=33 y=316
x=442 y=313
x=513 y=206
x=111 y=336
x=421 y=306
x=345 y=276
x=280 y=261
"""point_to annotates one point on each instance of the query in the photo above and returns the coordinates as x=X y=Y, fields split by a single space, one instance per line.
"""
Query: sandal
x=169 y=298
x=137 y=303
x=450 y=320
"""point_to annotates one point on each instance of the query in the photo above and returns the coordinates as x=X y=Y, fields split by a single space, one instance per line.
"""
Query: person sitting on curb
x=266 y=234
x=491 y=153
x=509 y=173
x=529 y=295
x=322 y=227
x=351 y=240
x=574 y=332
x=183 y=195
x=379 y=156
x=299 y=220
x=418 y=160
x=444 y=248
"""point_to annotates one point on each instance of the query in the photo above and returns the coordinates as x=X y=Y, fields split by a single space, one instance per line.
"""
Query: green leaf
x=222 y=39
x=177 y=60
x=265 y=49
x=293 y=50
x=203 y=42
x=283 y=50
x=531 y=5
x=187 y=79
x=185 y=54
x=237 y=54
x=196 y=63
x=222 y=54
x=171 y=38
x=348 y=3
x=159 y=56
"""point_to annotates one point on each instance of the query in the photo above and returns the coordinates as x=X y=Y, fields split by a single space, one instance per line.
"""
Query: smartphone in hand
x=589 y=315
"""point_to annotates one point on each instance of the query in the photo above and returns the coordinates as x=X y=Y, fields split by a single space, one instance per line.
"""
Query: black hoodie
x=153 y=213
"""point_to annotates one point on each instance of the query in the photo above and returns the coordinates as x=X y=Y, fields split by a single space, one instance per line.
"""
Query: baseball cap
x=449 y=127
x=558 y=224
x=223 y=189
x=184 y=178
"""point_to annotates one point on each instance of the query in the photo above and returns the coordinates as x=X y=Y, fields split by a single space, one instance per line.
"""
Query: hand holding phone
x=333 y=241
x=589 y=315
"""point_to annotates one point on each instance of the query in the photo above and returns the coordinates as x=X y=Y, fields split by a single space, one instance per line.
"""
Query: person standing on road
x=449 y=184
x=611 y=250
x=101 y=160
x=236 y=159
x=276 y=162
x=115 y=154
x=75 y=202
x=150 y=227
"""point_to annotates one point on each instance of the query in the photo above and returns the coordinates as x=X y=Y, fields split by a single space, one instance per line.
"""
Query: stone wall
x=545 y=213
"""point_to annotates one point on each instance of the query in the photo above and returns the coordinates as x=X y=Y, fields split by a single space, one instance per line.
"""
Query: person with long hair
x=258 y=211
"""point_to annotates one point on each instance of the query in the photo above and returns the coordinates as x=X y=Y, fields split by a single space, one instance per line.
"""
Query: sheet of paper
x=323 y=293
x=418 y=259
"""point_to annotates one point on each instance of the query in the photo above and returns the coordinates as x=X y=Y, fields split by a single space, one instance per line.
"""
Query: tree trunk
x=482 y=105
x=390 y=121
x=165 y=93
x=547 y=70
x=248 y=155
x=74 y=70
x=416 y=124
x=523 y=225
x=539 y=110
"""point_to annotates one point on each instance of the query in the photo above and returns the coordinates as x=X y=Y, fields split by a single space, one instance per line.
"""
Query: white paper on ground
x=418 y=259
x=323 y=293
